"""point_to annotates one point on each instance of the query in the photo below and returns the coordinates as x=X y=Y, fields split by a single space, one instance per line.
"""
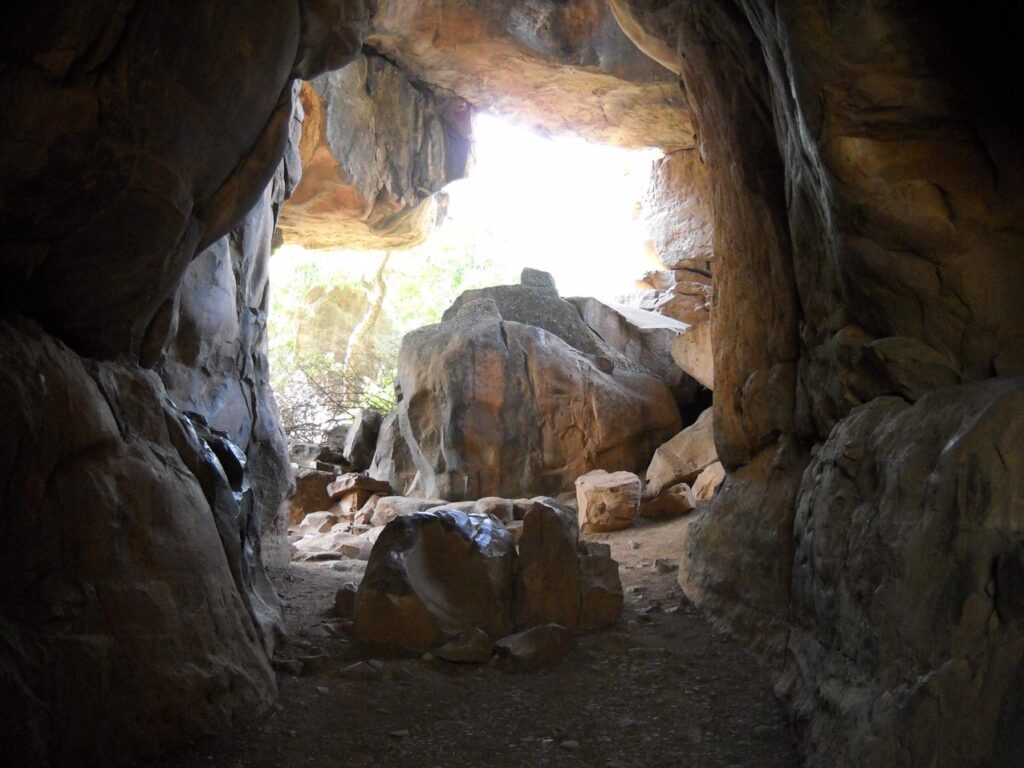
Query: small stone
x=399 y=734
x=358 y=671
x=634 y=545
x=323 y=689
x=570 y=744
x=473 y=646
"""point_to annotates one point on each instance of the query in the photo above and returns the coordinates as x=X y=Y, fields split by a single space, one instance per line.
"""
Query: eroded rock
x=432 y=576
x=684 y=457
x=608 y=501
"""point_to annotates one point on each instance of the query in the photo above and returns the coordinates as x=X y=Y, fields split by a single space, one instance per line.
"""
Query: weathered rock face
x=518 y=59
x=493 y=407
x=902 y=586
x=434 y=575
x=213 y=360
x=607 y=501
x=375 y=147
x=684 y=457
x=103 y=167
x=120 y=593
x=855 y=171
x=548 y=577
x=159 y=618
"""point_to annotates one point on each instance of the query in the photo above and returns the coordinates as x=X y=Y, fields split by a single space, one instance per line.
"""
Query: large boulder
x=684 y=457
x=494 y=407
x=692 y=352
x=432 y=576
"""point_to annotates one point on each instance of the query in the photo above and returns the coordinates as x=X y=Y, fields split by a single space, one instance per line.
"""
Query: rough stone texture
x=682 y=458
x=693 y=353
x=607 y=501
x=376 y=146
x=112 y=560
x=310 y=495
x=114 y=178
x=678 y=215
x=548 y=576
x=865 y=174
x=361 y=441
x=474 y=646
x=495 y=407
x=897 y=589
x=169 y=171
x=214 y=360
x=521 y=66
x=642 y=337
x=432 y=576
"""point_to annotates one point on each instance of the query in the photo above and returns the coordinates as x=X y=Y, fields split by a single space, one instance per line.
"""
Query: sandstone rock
x=310 y=494
x=673 y=501
x=361 y=441
x=388 y=508
x=692 y=352
x=536 y=58
x=375 y=147
x=345 y=600
x=645 y=338
x=470 y=647
x=684 y=457
x=513 y=431
x=318 y=522
x=433 y=575
x=536 y=647
x=600 y=587
x=707 y=481
x=537 y=278
x=351 y=491
x=607 y=501
x=548 y=579
x=337 y=543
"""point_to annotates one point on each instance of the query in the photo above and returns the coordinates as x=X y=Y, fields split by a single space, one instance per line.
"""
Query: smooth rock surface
x=548 y=577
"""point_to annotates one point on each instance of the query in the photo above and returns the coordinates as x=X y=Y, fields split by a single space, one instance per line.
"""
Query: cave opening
x=557 y=203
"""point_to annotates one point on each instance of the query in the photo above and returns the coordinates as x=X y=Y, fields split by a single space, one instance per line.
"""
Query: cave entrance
x=554 y=203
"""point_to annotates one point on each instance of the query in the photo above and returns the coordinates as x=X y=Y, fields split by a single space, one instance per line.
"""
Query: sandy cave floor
x=660 y=688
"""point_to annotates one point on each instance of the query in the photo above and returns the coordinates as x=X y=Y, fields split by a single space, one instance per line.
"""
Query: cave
x=851 y=174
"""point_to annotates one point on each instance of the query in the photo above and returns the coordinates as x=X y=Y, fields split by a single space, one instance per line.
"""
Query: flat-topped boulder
x=608 y=501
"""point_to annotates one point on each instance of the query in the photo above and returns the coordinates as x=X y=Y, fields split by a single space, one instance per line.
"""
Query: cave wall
x=865 y=173
x=141 y=166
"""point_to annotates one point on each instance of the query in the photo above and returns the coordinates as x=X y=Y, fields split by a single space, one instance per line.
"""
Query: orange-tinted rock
x=434 y=575
x=548 y=581
x=607 y=501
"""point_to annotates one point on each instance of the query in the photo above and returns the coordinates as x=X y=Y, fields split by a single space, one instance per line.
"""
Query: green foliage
x=314 y=389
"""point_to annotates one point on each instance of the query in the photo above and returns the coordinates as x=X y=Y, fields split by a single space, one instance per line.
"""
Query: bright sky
x=570 y=206
x=559 y=204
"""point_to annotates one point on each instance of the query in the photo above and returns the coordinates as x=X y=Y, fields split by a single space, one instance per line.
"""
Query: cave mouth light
x=558 y=203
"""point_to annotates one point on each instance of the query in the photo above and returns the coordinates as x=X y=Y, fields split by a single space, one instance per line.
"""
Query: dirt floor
x=660 y=688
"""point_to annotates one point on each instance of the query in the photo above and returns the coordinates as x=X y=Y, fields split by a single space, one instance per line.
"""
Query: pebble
x=570 y=744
